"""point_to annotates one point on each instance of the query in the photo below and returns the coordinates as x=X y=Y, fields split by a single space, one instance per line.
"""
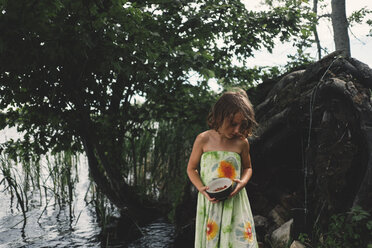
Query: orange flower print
x=248 y=231
x=212 y=229
x=245 y=232
x=226 y=169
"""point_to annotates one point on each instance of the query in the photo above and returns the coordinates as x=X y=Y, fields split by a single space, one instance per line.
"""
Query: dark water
x=158 y=234
x=52 y=225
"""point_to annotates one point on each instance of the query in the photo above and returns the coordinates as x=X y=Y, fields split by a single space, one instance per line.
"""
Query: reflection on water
x=50 y=224
x=53 y=227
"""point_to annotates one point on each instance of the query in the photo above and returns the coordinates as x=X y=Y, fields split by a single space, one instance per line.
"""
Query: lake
x=53 y=224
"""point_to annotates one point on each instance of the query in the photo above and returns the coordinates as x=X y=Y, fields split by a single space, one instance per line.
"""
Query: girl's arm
x=246 y=169
x=192 y=167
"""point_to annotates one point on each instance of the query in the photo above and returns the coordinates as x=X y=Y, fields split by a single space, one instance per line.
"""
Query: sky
x=361 y=45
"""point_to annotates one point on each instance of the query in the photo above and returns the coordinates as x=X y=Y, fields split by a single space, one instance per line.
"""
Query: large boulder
x=281 y=237
x=312 y=152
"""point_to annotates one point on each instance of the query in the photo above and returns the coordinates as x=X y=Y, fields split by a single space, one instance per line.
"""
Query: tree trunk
x=106 y=173
x=315 y=31
x=340 y=27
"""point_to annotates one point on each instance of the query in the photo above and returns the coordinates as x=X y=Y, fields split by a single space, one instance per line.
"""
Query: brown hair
x=230 y=103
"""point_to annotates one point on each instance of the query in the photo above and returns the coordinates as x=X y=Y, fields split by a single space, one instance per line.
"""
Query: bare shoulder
x=198 y=148
x=203 y=138
x=244 y=145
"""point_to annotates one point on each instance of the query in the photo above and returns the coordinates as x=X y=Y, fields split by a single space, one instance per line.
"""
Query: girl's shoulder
x=205 y=136
x=243 y=144
x=201 y=141
x=244 y=141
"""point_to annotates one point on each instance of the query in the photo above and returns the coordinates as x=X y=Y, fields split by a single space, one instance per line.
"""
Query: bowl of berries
x=220 y=188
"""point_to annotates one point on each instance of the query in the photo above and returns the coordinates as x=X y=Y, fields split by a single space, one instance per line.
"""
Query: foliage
x=300 y=59
x=309 y=22
x=349 y=230
x=74 y=57
x=358 y=16
x=72 y=72
x=303 y=38
x=304 y=239
x=352 y=229
x=369 y=22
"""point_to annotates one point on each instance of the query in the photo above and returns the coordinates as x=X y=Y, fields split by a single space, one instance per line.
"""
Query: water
x=158 y=234
x=50 y=225
x=53 y=227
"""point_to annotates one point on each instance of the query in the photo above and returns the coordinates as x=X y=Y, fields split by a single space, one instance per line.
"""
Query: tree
x=71 y=71
x=341 y=23
x=340 y=26
x=315 y=31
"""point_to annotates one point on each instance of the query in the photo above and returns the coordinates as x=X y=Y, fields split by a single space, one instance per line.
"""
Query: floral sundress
x=228 y=223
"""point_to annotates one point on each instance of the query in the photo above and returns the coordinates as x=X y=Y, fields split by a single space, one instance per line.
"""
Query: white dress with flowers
x=229 y=223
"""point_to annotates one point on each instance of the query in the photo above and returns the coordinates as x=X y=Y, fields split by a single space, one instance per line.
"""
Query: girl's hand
x=203 y=191
x=239 y=185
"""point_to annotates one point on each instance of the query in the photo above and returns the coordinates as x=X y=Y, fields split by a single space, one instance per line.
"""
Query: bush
x=349 y=230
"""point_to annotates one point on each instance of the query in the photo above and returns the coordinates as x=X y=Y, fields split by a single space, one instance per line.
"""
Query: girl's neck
x=219 y=142
x=221 y=137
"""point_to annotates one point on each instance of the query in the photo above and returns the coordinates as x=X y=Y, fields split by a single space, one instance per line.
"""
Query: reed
x=154 y=161
x=157 y=159
x=13 y=186
x=51 y=178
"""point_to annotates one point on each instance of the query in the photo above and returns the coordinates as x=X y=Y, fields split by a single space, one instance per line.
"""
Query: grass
x=52 y=179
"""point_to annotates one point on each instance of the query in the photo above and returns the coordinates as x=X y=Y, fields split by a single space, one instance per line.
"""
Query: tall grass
x=13 y=186
x=51 y=179
x=154 y=162
x=158 y=169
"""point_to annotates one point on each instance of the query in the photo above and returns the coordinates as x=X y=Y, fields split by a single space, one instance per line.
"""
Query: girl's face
x=230 y=128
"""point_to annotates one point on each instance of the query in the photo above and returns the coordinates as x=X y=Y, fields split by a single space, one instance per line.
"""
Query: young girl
x=223 y=151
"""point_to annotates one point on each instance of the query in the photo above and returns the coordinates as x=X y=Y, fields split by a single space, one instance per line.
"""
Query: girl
x=223 y=151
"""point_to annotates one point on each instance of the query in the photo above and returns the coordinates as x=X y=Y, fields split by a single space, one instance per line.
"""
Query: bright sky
x=359 y=43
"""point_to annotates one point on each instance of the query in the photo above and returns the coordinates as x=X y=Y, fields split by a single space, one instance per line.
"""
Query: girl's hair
x=227 y=106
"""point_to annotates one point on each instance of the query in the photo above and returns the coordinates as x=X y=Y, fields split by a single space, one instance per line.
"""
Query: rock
x=297 y=244
x=261 y=225
x=311 y=151
x=278 y=215
x=281 y=236
x=260 y=221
